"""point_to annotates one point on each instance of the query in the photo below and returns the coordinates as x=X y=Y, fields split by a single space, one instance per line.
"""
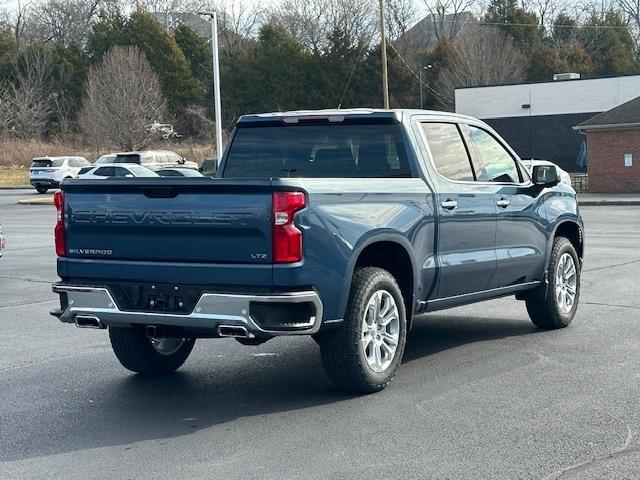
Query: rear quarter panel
x=344 y=216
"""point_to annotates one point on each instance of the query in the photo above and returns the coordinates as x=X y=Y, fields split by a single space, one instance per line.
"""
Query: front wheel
x=554 y=305
x=149 y=355
x=364 y=353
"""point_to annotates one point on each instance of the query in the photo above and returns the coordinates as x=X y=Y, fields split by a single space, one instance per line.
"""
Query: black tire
x=543 y=305
x=136 y=352
x=343 y=356
x=42 y=188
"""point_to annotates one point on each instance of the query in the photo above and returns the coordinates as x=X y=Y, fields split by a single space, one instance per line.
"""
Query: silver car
x=48 y=172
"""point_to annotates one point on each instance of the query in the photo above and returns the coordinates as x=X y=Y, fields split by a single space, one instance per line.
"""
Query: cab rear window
x=47 y=163
x=320 y=151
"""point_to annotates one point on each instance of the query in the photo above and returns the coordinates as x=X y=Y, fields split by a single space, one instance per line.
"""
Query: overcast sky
x=11 y=4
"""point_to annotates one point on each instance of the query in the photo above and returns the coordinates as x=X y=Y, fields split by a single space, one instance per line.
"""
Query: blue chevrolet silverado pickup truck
x=343 y=225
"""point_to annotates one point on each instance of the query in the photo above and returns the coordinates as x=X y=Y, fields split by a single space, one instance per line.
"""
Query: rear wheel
x=149 y=355
x=554 y=305
x=42 y=188
x=364 y=353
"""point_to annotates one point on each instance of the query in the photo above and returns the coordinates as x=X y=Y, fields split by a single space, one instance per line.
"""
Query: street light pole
x=421 y=83
x=385 y=73
x=216 y=81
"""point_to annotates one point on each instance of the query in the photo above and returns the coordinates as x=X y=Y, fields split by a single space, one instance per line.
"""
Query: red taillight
x=58 y=201
x=287 y=239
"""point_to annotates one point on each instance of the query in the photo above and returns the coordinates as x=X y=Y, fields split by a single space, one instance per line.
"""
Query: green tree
x=108 y=32
x=273 y=76
x=611 y=48
x=166 y=59
x=142 y=30
x=577 y=59
x=543 y=62
x=8 y=50
x=521 y=25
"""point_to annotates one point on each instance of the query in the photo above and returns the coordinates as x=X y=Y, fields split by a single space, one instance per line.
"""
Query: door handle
x=449 y=204
x=503 y=202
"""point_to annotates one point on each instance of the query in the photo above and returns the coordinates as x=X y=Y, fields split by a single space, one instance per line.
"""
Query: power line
x=536 y=25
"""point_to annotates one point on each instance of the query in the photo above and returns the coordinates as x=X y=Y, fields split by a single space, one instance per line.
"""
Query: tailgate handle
x=159 y=192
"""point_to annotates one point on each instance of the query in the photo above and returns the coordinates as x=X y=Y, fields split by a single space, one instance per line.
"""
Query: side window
x=496 y=163
x=449 y=153
x=121 y=172
x=105 y=172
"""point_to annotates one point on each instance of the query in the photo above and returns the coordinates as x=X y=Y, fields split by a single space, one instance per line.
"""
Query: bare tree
x=448 y=16
x=303 y=20
x=311 y=21
x=400 y=15
x=631 y=9
x=239 y=20
x=27 y=102
x=482 y=56
x=123 y=100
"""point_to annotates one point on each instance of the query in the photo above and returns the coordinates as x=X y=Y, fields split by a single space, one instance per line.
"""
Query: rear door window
x=448 y=151
x=105 y=172
x=494 y=162
x=320 y=151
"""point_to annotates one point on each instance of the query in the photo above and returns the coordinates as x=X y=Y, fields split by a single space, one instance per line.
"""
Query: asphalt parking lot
x=481 y=394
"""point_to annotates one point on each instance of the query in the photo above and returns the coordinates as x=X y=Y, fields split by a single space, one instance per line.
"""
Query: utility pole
x=385 y=73
x=216 y=80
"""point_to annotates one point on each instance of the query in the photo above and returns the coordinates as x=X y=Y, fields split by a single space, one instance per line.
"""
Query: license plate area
x=156 y=297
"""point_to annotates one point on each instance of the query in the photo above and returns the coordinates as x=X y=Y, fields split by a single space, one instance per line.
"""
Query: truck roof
x=337 y=114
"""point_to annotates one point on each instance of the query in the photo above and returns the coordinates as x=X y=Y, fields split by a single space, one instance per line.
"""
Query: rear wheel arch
x=395 y=258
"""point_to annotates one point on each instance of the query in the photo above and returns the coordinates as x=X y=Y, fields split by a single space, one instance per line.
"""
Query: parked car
x=2 y=240
x=109 y=158
x=48 y=172
x=179 y=172
x=155 y=159
x=118 y=170
x=342 y=225
x=562 y=175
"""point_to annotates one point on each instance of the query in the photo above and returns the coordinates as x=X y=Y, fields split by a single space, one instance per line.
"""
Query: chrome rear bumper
x=210 y=312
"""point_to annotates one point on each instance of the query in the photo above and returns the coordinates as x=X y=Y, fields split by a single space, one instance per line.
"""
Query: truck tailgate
x=169 y=220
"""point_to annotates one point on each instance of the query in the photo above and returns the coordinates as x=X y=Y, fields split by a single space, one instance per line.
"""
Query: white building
x=537 y=119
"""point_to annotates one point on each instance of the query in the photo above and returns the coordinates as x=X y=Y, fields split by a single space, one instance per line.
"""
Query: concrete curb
x=24 y=187
x=36 y=201
x=607 y=203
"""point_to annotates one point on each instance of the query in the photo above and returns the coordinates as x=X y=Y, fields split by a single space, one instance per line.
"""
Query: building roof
x=625 y=115
x=425 y=32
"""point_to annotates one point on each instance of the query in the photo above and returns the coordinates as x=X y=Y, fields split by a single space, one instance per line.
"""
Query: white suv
x=48 y=172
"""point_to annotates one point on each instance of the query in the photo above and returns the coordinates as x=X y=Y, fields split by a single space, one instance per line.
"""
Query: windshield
x=317 y=151
x=127 y=158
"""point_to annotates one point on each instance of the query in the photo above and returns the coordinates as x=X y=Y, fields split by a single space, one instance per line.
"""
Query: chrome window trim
x=417 y=120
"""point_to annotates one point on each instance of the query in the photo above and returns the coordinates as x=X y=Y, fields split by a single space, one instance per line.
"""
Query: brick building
x=613 y=149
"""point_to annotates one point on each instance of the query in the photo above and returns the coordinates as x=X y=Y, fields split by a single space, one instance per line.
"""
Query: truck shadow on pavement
x=115 y=408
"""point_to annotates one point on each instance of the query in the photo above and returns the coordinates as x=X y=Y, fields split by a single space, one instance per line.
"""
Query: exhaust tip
x=234 y=331
x=89 y=321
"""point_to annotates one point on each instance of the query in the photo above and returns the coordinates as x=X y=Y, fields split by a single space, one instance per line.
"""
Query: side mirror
x=181 y=161
x=209 y=167
x=545 y=175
